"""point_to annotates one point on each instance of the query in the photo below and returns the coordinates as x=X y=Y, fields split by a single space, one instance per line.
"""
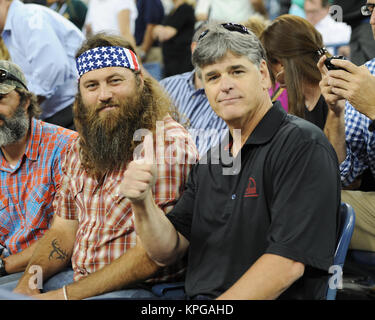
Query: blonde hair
x=257 y=24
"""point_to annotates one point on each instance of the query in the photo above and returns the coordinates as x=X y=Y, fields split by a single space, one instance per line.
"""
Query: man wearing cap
x=43 y=43
x=116 y=106
x=30 y=169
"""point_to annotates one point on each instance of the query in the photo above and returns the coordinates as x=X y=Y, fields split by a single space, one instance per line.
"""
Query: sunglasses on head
x=367 y=9
x=5 y=75
x=230 y=27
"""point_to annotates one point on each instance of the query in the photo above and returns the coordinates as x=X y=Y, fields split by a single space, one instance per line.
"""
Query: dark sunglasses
x=5 y=75
x=230 y=27
x=367 y=9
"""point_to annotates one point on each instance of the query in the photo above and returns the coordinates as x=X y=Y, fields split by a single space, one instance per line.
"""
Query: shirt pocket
x=38 y=207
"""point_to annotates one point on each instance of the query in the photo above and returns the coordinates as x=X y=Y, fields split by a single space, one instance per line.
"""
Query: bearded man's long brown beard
x=106 y=140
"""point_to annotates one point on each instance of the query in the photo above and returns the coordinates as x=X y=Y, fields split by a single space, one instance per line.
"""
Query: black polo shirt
x=284 y=201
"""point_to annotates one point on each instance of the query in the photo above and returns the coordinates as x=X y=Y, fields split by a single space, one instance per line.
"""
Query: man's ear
x=193 y=45
x=265 y=75
x=27 y=105
x=141 y=79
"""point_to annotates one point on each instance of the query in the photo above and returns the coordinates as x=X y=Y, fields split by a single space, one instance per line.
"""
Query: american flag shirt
x=105 y=219
x=28 y=188
x=360 y=142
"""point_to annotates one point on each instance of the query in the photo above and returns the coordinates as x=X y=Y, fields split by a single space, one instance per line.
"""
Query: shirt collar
x=268 y=125
x=263 y=132
x=32 y=148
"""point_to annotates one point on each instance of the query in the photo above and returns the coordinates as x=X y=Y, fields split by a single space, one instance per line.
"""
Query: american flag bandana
x=103 y=57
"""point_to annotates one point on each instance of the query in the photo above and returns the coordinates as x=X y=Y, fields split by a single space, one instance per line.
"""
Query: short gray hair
x=217 y=41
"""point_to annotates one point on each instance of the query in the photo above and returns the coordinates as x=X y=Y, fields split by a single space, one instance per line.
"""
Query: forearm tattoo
x=57 y=253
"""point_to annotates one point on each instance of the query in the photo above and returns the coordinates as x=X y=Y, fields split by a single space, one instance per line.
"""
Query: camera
x=330 y=66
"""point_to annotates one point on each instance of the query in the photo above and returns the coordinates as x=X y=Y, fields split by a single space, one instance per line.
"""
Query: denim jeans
x=64 y=278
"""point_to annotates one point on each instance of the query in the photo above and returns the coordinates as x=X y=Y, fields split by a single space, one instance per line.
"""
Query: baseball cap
x=11 y=77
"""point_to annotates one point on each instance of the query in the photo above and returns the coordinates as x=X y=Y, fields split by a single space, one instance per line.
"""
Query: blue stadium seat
x=345 y=235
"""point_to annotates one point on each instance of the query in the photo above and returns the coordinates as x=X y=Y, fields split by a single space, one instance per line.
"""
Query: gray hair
x=217 y=41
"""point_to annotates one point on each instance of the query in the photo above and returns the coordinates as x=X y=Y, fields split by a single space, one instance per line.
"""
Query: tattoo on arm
x=57 y=252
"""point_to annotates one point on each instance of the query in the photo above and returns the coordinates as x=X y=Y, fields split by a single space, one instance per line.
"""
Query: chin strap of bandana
x=103 y=57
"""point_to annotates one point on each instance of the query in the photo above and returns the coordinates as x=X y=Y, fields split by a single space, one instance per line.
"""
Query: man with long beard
x=93 y=226
x=30 y=170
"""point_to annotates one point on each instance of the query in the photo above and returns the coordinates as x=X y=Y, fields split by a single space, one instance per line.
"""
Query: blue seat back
x=346 y=229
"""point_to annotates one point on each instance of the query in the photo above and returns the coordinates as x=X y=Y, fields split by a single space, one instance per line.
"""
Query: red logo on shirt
x=251 y=190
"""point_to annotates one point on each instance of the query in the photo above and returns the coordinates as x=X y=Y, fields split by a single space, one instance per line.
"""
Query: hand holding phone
x=330 y=66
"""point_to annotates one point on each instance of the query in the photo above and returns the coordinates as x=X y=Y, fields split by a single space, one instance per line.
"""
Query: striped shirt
x=206 y=127
x=28 y=188
x=360 y=142
x=105 y=220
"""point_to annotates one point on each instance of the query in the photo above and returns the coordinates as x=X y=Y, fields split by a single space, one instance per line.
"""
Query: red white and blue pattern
x=104 y=57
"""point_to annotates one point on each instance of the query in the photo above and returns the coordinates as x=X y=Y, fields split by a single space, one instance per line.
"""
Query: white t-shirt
x=237 y=11
x=333 y=32
x=102 y=15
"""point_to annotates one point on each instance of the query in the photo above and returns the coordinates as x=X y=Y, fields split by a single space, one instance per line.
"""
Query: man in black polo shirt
x=263 y=225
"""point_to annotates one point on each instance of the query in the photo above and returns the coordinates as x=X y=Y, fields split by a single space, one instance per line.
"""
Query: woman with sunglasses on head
x=292 y=46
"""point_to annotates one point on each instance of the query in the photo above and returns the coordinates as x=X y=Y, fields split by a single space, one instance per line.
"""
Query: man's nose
x=226 y=84
x=105 y=93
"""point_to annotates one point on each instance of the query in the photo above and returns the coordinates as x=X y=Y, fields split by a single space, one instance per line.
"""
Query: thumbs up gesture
x=140 y=175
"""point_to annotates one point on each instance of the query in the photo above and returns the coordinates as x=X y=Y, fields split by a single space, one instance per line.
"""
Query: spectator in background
x=350 y=94
x=336 y=35
x=362 y=46
x=43 y=44
x=187 y=93
x=175 y=35
x=224 y=10
x=292 y=47
x=284 y=6
x=73 y=10
x=30 y=170
x=256 y=24
x=150 y=14
x=114 y=16
x=296 y=8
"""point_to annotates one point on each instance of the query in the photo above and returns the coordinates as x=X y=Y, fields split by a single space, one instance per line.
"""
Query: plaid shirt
x=106 y=226
x=27 y=190
x=360 y=142
x=206 y=127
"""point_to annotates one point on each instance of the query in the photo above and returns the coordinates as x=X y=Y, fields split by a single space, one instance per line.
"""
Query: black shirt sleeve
x=181 y=215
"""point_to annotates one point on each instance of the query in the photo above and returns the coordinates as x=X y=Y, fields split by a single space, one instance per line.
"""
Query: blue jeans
x=65 y=277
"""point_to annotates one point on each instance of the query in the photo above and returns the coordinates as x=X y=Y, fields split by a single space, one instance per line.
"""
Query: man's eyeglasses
x=367 y=9
x=5 y=75
x=230 y=27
